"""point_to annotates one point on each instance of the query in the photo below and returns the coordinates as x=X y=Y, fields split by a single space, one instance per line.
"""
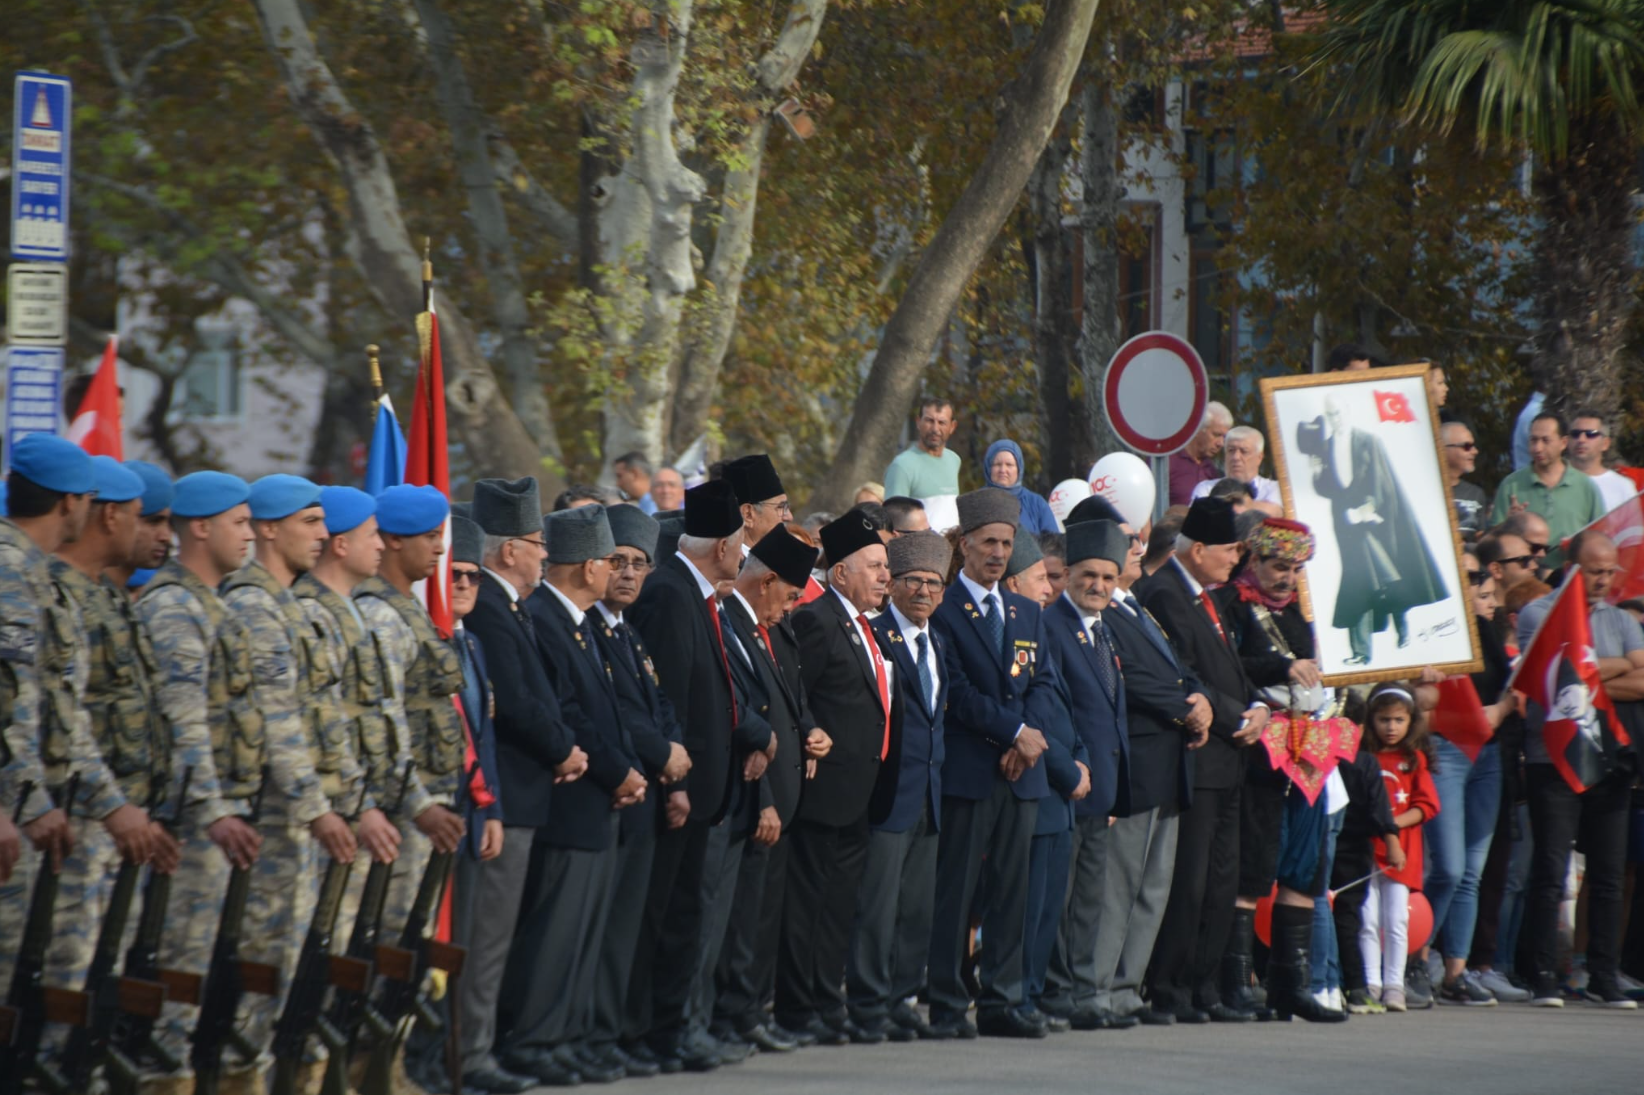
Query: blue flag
x=385 y=466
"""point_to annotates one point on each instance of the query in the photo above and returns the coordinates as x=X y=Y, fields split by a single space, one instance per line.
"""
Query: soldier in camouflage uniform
x=49 y=497
x=151 y=547
x=351 y=707
x=298 y=818
x=423 y=675
x=117 y=704
x=203 y=689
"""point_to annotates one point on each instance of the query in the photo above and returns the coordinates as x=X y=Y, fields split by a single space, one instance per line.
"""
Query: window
x=1208 y=328
x=210 y=385
x=1137 y=267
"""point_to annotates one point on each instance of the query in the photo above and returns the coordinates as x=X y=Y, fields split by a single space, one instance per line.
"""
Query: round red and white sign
x=1154 y=391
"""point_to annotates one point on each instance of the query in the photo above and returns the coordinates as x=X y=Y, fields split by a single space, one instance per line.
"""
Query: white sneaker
x=1323 y=998
x=1504 y=989
x=1337 y=1001
x=1628 y=985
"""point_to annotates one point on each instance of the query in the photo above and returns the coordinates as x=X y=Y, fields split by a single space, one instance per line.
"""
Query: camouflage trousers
x=412 y=864
x=14 y=910
x=284 y=886
x=84 y=887
x=192 y=918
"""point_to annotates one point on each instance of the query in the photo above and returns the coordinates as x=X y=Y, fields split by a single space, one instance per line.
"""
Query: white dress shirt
x=910 y=634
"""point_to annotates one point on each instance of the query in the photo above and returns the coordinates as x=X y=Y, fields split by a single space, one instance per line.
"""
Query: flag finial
x=371 y=358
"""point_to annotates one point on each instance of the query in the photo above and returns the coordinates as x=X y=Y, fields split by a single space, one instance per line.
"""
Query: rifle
x=30 y=1005
x=407 y=965
x=111 y=996
x=307 y=995
x=351 y=973
x=227 y=979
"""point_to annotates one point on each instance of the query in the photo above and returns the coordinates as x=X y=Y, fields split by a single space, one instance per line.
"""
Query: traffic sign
x=34 y=386
x=40 y=167
x=37 y=303
x=1154 y=391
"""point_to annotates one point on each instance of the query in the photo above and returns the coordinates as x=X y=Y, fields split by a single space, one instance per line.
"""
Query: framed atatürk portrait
x=1358 y=461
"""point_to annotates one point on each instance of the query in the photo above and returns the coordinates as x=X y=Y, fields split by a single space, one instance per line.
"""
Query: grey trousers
x=890 y=940
x=1141 y=859
x=549 y=977
x=497 y=887
x=719 y=870
x=630 y=879
x=988 y=842
x=1070 y=983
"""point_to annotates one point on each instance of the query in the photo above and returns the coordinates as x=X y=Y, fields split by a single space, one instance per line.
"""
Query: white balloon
x=1126 y=481
x=1067 y=494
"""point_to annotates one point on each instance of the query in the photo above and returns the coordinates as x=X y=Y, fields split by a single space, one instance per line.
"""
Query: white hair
x=704 y=545
x=1247 y=433
x=1184 y=543
x=493 y=546
x=1216 y=412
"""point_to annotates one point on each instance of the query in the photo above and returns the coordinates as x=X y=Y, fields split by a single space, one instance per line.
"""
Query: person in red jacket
x=1397 y=733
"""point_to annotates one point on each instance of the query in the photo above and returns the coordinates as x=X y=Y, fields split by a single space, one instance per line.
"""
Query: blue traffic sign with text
x=40 y=167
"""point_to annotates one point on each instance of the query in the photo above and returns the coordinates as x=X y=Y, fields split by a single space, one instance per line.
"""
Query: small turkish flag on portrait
x=1394 y=407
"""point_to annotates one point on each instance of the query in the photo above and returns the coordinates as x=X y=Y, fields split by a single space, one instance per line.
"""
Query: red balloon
x=1421 y=920
x=1264 y=917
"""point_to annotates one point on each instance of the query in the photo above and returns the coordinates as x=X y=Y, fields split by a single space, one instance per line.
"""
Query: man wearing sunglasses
x=1460 y=457
x=1508 y=559
x=1589 y=442
x=1567 y=499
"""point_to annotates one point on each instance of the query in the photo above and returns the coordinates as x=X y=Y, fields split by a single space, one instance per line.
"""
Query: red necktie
x=724 y=658
x=1210 y=610
x=879 y=676
x=769 y=649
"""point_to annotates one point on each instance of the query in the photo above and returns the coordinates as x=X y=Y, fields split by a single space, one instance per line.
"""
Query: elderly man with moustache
x=1242 y=451
x=849 y=681
x=1003 y=690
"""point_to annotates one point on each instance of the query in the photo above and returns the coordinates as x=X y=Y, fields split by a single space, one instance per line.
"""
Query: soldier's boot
x=246 y=1081
x=175 y=1083
x=401 y=1081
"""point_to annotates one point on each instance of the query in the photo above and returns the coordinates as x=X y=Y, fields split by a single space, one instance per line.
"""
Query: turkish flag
x=1393 y=407
x=427 y=461
x=96 y=425
x=1625 y=525
x=1559 y=674
x=1459 y=716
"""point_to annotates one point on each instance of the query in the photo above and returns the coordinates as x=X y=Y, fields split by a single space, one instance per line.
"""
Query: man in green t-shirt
x=927 y=468
x=1565 y=498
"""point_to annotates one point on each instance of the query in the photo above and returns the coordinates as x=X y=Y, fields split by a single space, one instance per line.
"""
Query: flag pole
x=371 y=356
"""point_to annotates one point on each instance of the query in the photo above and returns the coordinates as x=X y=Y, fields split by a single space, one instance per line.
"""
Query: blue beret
x=346 y=509
x=411 y=511
x=156 y=486
x=208 y=493
x=115 y=483
x=274 y=497
x=2 y=498
x=54 y=463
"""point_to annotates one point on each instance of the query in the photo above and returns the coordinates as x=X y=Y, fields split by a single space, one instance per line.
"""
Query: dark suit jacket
x=484 y=735
x=923 y=749
x=671 y=615
x=783 y=778
x=1219 y=763
x=580 y=815
x=844 y=694
x=1099 y=719
x=532 y=734
x=1156 y=687
x=986 y=703
x=646 y=715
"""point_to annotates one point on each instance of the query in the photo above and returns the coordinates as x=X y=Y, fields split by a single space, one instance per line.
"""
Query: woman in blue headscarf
x=1003 y=468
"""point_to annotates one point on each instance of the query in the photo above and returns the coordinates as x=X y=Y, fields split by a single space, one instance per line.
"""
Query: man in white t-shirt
x=1589 y=441
x=1242 y=460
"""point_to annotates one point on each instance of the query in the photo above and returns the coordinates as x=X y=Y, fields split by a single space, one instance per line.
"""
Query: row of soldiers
x=242 y=731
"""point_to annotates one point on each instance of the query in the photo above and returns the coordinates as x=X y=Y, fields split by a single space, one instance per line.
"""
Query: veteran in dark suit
x=891 y=940
x=550 y=978
x=535 y=750
x=1187 y=957
x=1002 y=693
x=678 y=616
x=1086 y=659
x=657 y=740
x=850 y=684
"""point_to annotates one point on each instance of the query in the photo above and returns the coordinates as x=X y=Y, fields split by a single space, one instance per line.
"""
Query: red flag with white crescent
x=427 y=461
x=1625 y=525
x=96 y=425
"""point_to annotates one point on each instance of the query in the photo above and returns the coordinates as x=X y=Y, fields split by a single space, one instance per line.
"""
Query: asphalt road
x=1503 y=1050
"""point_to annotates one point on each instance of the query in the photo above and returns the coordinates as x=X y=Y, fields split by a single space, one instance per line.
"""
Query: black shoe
x=768 y=1040
x=684 y=1054
x=957 y=1027
x=544 y=1066
x=901 y=1034
x=870 y=1033
x=1222 y=1013
x=1057 y=1024
x=635 y=1066
x=826 y=1034
x=1093 y=1018
x=1289 y=969
x=907 y=1017
x=598 y=1067
x=1187 y=1013
x=1153 y=1017
x=666 y=1059
x=798 y=1035
x=498 y=1080
x=1005 y=1023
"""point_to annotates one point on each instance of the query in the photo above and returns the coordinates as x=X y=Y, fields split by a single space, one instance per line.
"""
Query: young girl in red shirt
x=1398 y=736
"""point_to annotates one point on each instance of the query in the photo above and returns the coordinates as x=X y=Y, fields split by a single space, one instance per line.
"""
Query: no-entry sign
x=1155 y=390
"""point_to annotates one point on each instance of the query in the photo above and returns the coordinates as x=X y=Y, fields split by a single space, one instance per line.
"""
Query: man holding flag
x=1579 y=759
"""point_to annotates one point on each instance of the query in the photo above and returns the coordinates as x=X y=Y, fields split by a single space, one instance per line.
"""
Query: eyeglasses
x=920 y=585
x=1521 y=560
x=1587 y=433
x=527 y=540
x=471 y=577
x=1539 y=549
x=781 y=507
x=620 y=563
x=1464 y=446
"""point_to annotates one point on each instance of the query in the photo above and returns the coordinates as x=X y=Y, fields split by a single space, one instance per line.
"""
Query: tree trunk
x=1031 y=105
x=1099 y=221
x=1584 y=271
x=1055 y=335
x=381 y=247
